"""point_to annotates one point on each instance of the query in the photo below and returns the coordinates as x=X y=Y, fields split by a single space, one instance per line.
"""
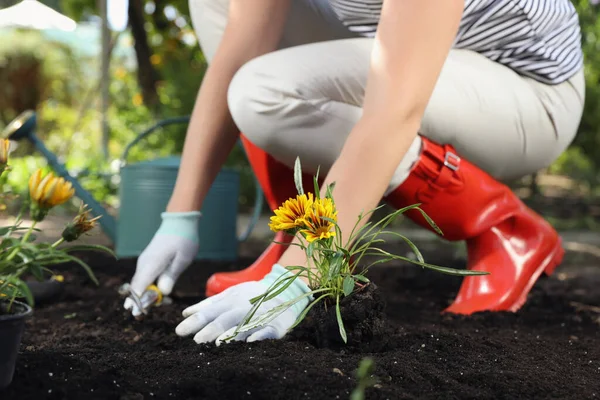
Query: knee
x=262 y=102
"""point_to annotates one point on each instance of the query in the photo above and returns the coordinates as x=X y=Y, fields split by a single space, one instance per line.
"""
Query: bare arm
x=254 y=28
x=413 y=40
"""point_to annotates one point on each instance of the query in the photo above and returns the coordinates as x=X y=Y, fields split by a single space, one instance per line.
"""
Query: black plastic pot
x=47 y=291
x=11 y=329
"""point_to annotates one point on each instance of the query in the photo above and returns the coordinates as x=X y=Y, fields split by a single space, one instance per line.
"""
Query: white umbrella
x=34 y=15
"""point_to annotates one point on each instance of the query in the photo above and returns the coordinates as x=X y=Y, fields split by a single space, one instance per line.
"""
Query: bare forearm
x=210 y=138
x=411 y=46
x=359 y=186
x=252 y=30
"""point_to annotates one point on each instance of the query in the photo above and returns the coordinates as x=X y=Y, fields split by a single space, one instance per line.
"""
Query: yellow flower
x=316 y=226
x=81 y=224
x=137 y=99
x=47 y=192
x=155 y=59
x=120 y=73
x=4 y=150
x=291 y=214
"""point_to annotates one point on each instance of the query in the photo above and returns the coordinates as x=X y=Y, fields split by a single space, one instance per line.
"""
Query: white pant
x=304 y=99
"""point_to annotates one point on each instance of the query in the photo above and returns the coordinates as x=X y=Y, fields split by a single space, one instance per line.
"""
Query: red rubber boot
x=504 y=237
x=277 y=182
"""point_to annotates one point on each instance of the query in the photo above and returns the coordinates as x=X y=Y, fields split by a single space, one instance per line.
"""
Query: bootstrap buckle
x=451 y=161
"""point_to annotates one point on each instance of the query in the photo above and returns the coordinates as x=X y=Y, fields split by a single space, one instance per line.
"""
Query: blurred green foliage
x=67 y=102
x=63 y=87
x=582 y=160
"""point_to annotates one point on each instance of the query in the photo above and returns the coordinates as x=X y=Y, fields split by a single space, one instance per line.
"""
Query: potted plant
x=340 y=292
x=21 y=254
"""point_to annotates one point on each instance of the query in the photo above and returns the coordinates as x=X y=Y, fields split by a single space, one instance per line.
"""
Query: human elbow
x=406 y=114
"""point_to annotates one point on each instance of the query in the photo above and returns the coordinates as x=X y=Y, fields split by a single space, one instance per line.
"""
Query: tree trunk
x=147 y=75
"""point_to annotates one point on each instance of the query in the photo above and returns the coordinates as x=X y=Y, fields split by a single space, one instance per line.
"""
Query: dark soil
x=364 y=322
x=85 y=346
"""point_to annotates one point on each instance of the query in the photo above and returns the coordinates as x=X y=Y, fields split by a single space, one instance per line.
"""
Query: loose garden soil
x=85 y=346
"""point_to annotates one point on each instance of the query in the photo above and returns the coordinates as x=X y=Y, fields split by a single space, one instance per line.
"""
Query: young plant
x=332 y=256
x=364 y=377
x=20 y=253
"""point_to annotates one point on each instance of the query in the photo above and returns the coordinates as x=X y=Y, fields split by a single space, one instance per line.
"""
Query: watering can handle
x=186 y=119
x=160 y=124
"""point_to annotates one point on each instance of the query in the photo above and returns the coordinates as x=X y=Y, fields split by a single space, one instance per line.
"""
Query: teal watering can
x=144 y=192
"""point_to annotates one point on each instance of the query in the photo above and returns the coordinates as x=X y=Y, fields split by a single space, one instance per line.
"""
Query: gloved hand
x=217 y=317
x=171 y=250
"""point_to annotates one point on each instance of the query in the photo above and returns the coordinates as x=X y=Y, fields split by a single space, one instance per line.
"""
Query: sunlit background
x=88 y=116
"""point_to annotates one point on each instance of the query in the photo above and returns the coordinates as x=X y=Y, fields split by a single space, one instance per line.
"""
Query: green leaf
x=445 y=270
x=269 y=315
x=316 y=184
x=25 y=292
x=310 y=249
x=306 y=310
x=406 y=240
x=89 y=247
x=298 y=176
x=430 y=222
x=86 y=268
x=329 y=192
x=7 y=229
x=365 y=368
x=280 y=287
x=335 y=265
x=361 y=278
x=348 y=285
x=37 y=271
x=13 y=287
x=338 y=315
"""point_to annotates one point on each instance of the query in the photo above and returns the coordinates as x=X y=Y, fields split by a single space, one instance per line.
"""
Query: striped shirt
x=540 y=39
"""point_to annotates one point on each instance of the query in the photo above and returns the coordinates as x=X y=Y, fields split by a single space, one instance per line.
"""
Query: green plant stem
x=12 y=299
x=23 y=240
x=58 y=242
x=28 y=233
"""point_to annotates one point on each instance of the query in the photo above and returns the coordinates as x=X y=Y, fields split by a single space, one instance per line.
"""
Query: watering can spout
x=23 y=128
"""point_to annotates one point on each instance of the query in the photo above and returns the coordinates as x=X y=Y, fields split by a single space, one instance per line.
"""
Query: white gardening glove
x=171 y=250
x=217 y=317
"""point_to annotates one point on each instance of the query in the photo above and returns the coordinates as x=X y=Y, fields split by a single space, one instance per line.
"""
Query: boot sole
x=548 y=266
